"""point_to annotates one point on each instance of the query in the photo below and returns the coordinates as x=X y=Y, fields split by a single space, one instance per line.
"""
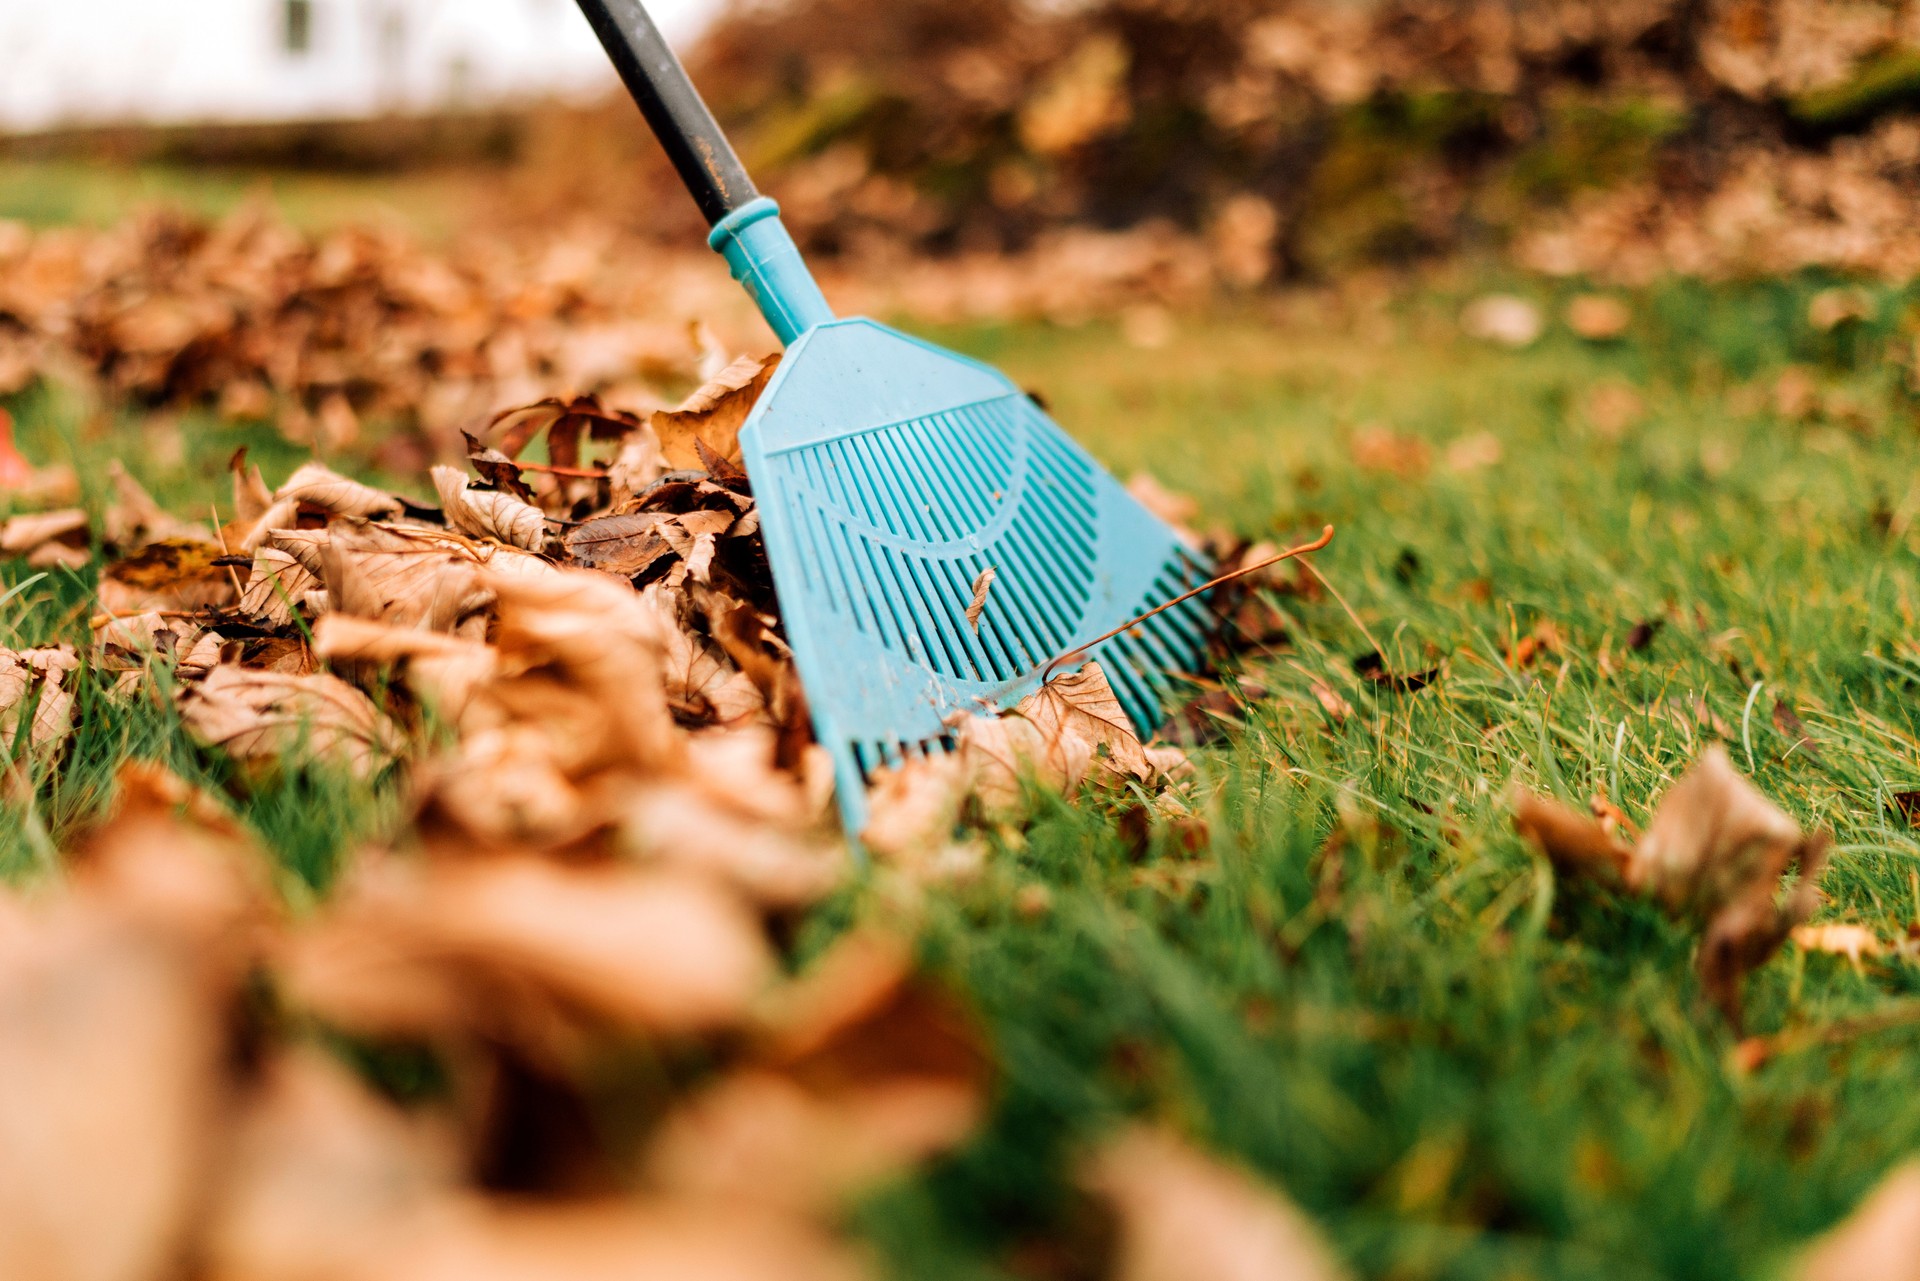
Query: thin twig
x=1326 y=536
x=575 y=473
x=219 y=531
x=1756 y=1050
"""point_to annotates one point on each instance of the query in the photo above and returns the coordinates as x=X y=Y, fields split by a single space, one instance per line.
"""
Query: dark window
x=299 y=25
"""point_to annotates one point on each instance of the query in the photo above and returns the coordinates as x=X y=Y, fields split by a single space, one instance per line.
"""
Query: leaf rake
x=892 y=474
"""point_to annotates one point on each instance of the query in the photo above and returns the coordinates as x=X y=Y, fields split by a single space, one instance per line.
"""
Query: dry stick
x=575 y=473
x=1756 y=1050
x=220 y=532
x=1326 y=536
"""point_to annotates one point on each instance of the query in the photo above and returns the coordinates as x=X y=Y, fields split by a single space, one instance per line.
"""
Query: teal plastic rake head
x=891 y=473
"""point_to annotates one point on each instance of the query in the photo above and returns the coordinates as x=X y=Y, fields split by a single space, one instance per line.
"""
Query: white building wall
x=81 y=62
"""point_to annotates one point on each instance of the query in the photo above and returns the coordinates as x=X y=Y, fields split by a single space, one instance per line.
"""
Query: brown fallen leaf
x=133 y=519
x=1788 y=722
x=1525 y=652
x=171 y=574
x=111 y=1044
x=625 y=545
x=565 y=422
x=317 y=487
x=1178 y=510
x=442 y=670
x=324 y=1180
x=1474 y=452
x=497 y=469
x=864 y=1069
x=260 y=717
x=1381 y=449
x=408 y=577
x=529 y=952
x=47 y=539
x=1879 y=1241
x=982 y=584
x=252 y=500
x=279 y=589
x=915 y=806
x=1714 y=854
x=33 y=682
x=489 y=513
x=1183 y=1214
x=1642 y=635
x=1084 y=728
x=1599 y=318
x=1372 y=667
x=1578 y=844
x=713 y=414
x=477 y=1239
x=1833 y=307
x=1855 y=942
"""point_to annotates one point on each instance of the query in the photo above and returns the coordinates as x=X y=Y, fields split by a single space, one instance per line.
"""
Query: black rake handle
x=672 y=106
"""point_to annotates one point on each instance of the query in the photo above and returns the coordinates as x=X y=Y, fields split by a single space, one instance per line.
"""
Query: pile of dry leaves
x=1266 y=134
x=321 y=332
x=550 y=1028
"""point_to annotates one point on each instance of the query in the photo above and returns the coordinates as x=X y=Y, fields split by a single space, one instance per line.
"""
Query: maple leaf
x=713 y=414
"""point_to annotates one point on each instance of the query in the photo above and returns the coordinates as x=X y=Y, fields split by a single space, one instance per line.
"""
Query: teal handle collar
x=765 y=260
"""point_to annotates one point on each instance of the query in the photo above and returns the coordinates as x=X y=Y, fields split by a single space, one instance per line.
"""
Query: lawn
x=1365 y=985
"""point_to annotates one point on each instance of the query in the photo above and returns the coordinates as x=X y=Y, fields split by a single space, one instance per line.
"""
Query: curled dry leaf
x=1879 y=1241
x=33 y=684
x=713 y=415
x=317 y=487
x=324 y=1180
x=978 y=606
x=1083 y=729
x=408 y=577
x=133 y=519
x=48 y=539
x=565 y=422
x=279 y=589
x=1855 y=942
x=477 y=1239
x=915 y=805
x=259 y=717
x=443 y=670
x=252 y=500
x=112 y=1043
x=866 y=1069
x=1184 y=1214
x=530 y=952
x=172 y=856
x=489 y=513
x=1715 y=854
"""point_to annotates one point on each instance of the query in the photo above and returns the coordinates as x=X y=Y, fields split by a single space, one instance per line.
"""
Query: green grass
x=1367 y=987
x=53 y=193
